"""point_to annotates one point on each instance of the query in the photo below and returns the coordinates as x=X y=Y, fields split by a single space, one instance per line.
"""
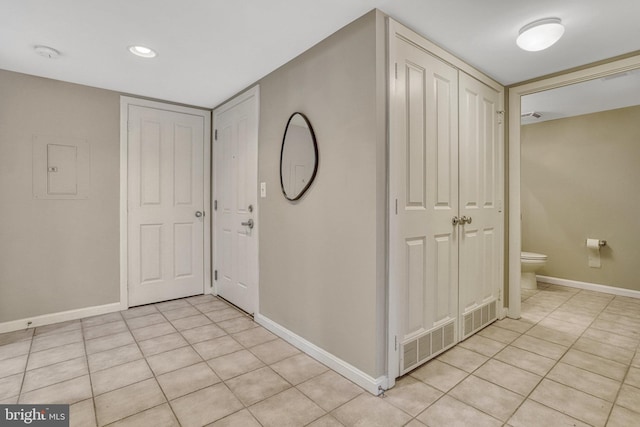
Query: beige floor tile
x=10 y=386
x=610 y=338
x=368 y=410
x=187 y=380
x=162 y=343
x=114 y=357
x=299 y=368
x=533 y=414
x=567 y=315
x=101 y=320
x=540 y=347
x=172 y=305
x=172 y=360
x=622 y=417
x=203 y=333
x=239 y=419
x=588 y=382
x=124 y=402
x=497 y=333
x=411 y=395
x=153 y=331
x=109 y=342
x=217 y=347
x=449 y=412
x=526 y=360
x=439 y=375
x=552 y=335
x=120 y=376
x=257 y=385
x=82 y=414
x=482 y=345
x=633 y=377
x=611 y=352
x=224 y=314
x=629 y=331
x=629 y=397
x=234 y=364
x=205 y=406
x=9 y=351
x=636 y=359
x=274 y=351
x=508 y=376
x=144 y=321
x=53 y=374
x=139 y=311
x=615 y=316
x=237 y=324
x=521 y=326
x=331 y=421
x=68 y=392
x=577 y=404
x=487 y=397
x=330 y=390
x=105 y=329
x=201 y=299
x=158 y=416
x=210 y=306
x=179 y=313
x=254 y=336
x=462 y=358
x=16 y=336
x=13 y=366
x=191 y=322
x=289 y=408
x=56 y=328
x=55 y=340
x=55 y=355
x=595 y=364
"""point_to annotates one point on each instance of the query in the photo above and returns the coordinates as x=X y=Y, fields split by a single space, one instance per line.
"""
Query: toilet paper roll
x=593 y=248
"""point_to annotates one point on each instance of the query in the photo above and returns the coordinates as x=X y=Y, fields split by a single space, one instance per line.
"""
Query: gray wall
x=580 y=179
x=57 y=255
x=322 y=259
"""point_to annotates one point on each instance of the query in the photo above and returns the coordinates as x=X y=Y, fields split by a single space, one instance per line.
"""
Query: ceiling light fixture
x=142 y=51
x=46 y=51
x=540 y=34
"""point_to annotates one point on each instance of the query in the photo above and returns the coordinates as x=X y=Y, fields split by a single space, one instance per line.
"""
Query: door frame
x=253 y=92
x=125 y=102
x=515 y=93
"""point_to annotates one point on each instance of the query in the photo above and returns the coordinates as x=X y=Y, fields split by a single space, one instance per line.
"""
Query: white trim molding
x=62 y=316
x=590 y=286
x=372 y=385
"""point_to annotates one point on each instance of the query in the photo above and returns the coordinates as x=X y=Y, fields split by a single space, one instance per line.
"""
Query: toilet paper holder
x=601 y=243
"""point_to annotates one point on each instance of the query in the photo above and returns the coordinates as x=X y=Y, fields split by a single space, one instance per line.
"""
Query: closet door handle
x=465 y=220
x=455 y=221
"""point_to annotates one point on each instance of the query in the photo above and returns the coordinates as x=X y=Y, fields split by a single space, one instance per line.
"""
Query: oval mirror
x=298 y=158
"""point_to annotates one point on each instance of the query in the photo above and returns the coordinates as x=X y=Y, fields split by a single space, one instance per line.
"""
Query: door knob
x=465 y=220
x=455 y=221
x=248 y=223
x=199 y=214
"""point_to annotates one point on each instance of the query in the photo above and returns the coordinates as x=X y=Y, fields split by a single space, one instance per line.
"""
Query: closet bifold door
x=480 y=236
x=424 y=195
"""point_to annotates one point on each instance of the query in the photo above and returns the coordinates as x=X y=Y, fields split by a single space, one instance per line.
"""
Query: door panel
x=165 y=189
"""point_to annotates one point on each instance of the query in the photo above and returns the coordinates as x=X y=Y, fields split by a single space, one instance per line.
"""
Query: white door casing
x=235 y=152
x=166 y=170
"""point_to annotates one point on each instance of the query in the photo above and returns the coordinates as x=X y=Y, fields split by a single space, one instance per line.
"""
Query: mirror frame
x=515 y=92
x=315 y=151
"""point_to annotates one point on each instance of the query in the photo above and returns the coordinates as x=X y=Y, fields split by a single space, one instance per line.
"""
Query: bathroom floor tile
x=368 y=410
x=70 y=391
x=205 y=406
x=109 y=342
x=298 y=368
x=82 y=414
x=330 y=390
x=533 y=414
x=55 y=355
x=203 y=333
x=257 y=385
x=145 y=321
x=595 y=364
x=153 y=331
x=629 y=398
x=187 y=380
x=622 y=417
x=190 y=322
x=540 y=347
x=439 y=375
x=9 y=351
x=237 y=324
x=114 y=357
x=53 y=374
x=127 y=401
x=444 y=411
x=462 y=358
x=10 y=386
x=508 y=376
x=487 y=397
x=222 y=315
x=289 y=408
x=161 y=344
x=411 y=395
x=254 y=336
x=241 y=418
x=158 y=416
x=274 y=351
x=526 y=360
x=120 y=376
x=617 y=354
x=234 y=364
x=16 y=336
x=496 y=333
x=217 y=347
x=485 y=346
x=172 y=360
x=588 y=382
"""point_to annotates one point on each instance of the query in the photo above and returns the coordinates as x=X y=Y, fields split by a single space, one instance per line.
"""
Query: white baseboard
x=63 y=316
x=589 y=286
x=372 y=385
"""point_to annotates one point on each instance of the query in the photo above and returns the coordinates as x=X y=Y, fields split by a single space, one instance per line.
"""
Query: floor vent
x=427 y=346
x=478 y=319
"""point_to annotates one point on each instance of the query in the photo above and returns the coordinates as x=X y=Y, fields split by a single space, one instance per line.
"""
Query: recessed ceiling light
x=46 y=51
x=142 y=51
x=540 y=34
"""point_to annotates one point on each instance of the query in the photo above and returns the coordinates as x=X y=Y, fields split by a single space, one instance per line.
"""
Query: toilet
x=530 y=263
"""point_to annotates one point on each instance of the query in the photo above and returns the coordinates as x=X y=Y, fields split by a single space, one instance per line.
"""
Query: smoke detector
x=533 y=114
x=46 y=51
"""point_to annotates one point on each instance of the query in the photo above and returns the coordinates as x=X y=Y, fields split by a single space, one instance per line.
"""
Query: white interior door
x=165 y=204
x=481 y=238
x=424 y=196
x=235 y=149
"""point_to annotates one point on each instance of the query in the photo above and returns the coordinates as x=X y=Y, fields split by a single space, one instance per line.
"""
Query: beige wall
x=322 y=259
x=57 y=255
x=580 y=179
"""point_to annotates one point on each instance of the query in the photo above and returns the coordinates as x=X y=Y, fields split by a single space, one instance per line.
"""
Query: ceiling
x=212 y=49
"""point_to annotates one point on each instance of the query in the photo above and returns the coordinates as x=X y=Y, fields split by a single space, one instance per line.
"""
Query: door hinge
x=215 y=134
x=396 y=206
x=396 y=66
x=500 y=116
x=396 y=342
x=215 y=205
x=215 y=275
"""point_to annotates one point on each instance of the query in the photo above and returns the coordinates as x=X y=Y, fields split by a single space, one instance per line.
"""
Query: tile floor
x=572 y=360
